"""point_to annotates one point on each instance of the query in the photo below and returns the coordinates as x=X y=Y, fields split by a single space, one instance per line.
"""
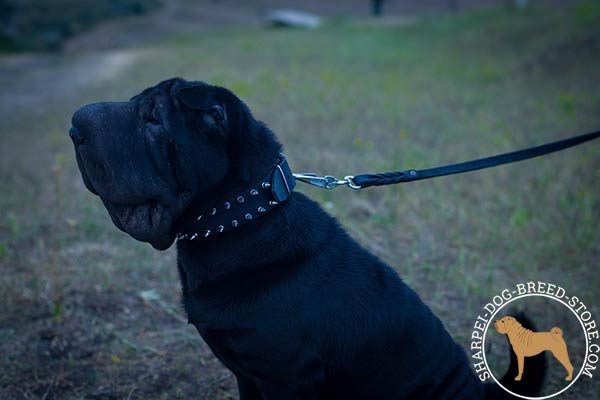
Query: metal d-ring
x=350 y=182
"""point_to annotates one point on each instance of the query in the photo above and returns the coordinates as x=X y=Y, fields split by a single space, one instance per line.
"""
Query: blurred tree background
x=46 y=24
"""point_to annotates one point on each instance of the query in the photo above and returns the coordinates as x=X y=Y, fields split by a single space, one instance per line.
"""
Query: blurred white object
x=148 y=295
x=294 y=18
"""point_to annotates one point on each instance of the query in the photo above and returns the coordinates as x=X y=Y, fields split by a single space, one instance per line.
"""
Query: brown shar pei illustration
x=526 y=343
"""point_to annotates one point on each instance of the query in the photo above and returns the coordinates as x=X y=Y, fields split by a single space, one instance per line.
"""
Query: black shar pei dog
x=279 y=291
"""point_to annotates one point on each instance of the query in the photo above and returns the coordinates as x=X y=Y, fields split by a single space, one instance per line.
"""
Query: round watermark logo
x=506 y=346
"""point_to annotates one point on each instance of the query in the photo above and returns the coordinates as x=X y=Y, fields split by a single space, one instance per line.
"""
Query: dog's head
x=153 y=156
x=506 y=324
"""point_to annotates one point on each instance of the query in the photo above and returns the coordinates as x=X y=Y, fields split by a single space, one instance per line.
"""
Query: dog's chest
x=223 y=344
x=226 y=331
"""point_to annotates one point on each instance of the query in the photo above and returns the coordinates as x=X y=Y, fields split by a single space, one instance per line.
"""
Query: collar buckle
x=282 y=181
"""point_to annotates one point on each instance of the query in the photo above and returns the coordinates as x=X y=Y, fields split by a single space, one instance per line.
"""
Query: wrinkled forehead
x=163 y=88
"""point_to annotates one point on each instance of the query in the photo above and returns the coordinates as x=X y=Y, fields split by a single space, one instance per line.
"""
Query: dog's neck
x=264 y=241
x=263 y=248
x=257 y=181
x=516 y=328
x=518 y=333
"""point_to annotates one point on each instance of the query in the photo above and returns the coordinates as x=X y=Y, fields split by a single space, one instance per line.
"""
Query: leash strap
x=277 y=186
x=389 y=178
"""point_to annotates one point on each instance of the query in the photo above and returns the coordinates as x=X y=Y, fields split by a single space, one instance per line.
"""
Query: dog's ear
x=204 y=98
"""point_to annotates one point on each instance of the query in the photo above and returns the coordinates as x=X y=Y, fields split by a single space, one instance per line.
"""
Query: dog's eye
x=153 y=120
x=217 y=112
x=152 y=117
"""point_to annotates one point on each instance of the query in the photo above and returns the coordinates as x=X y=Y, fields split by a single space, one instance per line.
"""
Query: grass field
x=87 y=312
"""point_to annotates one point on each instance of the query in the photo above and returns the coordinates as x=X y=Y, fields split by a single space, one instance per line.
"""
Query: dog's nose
x=76 y=137
x=83 y=122
x=84 y=116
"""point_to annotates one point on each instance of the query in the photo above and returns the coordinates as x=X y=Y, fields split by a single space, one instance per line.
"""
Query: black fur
x=290 y=303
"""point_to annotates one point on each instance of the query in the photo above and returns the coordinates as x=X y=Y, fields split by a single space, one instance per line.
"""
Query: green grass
x=344 y=99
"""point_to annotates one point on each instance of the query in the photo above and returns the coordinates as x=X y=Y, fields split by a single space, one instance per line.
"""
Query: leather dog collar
x=231 y=213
